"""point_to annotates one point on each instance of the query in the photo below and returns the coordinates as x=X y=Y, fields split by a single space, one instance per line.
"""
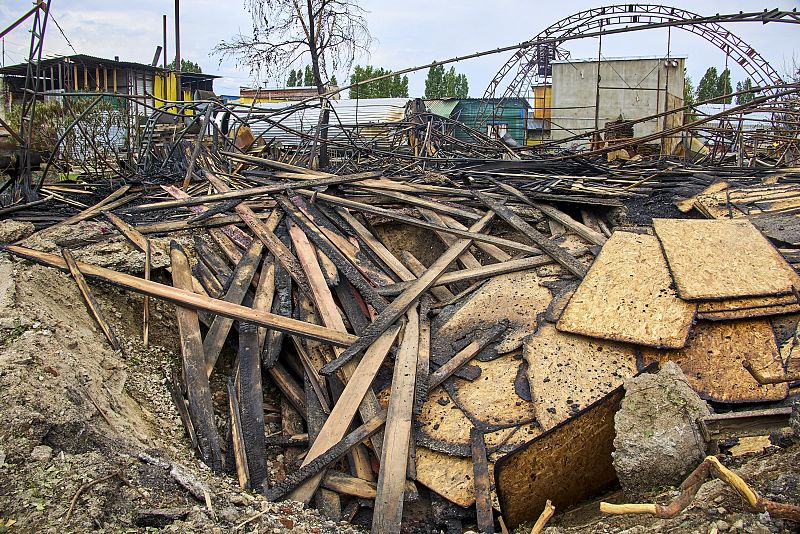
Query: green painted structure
x=506 y=115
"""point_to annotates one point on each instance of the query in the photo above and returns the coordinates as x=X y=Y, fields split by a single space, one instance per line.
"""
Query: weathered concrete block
x=657 y=440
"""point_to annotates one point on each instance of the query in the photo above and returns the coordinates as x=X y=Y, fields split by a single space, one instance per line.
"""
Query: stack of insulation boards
x=701 y=293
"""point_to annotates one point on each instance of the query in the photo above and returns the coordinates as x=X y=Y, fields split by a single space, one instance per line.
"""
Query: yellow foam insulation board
x=567 y=372
x=712 y=360
x=627 y=296
x=722 y=259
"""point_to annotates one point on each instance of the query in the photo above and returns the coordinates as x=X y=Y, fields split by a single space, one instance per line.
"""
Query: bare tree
x=331 y=33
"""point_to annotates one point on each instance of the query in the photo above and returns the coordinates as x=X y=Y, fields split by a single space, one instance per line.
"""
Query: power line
x=63 y=34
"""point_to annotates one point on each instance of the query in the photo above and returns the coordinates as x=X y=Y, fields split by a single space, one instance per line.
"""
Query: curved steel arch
x=527 y=60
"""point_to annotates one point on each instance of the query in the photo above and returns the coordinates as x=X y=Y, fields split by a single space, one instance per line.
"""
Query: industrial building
x=587 y=94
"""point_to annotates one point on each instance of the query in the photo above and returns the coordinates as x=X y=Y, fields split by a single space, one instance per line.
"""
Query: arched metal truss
x=529 y=60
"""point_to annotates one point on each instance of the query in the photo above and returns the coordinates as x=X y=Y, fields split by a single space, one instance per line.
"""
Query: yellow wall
x=172 y=93
x=542 y=101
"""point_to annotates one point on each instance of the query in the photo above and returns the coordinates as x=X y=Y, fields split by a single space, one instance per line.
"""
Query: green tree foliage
x=724 y=87
x=186 y=66
x=292 y=81
x=393 y=86
x=707 y=88
x=446 y=84
x=333 y=80
x=308 y=77
x=746 y=85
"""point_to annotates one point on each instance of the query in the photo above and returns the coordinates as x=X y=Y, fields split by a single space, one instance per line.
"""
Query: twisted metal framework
x=530 y=59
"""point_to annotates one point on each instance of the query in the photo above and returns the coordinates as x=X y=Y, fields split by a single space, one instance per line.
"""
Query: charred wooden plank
x=394 y=459
x=237 y=437
x=289 y=387
x=237 y=288
x=403 y=302
x=201 y=407
x=564 y=258
x=345 y=409
x=251 y=403
x=466 y=354
x=249 y=192
x=188 y=298
x=354 y=255
x=416 y=266
x=88 y=298
x=483 y=486
x=330 y=455
x=342 y=263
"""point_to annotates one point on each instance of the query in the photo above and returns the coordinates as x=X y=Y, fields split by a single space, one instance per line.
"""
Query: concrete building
x=584 y=99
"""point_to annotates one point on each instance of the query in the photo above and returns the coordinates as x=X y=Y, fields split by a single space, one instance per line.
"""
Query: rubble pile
x=478 y=341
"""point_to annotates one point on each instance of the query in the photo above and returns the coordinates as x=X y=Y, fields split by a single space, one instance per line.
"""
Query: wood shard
x=627 y=296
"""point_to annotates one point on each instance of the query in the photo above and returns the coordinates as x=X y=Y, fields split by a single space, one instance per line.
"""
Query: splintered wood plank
x=569 y=463
x=89 y=300
x=482 y=483
x=516 y=297
x=251 y=403
x=491 y=400
x=560 y=255
x=189 y=298
x=567 y=373
x=239 y=283
x=749 y=313
x=627 y=296
x=237 y=438
x=403 y=302
x=719 y=259
x=201 y=407
x=394 y=458
x=713 y=357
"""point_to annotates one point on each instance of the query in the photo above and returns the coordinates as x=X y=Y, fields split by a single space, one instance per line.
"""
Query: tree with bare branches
x=331 y=33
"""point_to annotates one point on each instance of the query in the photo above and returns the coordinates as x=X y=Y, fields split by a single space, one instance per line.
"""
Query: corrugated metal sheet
x=350 y=113
x=443 y=108
x=511 y=112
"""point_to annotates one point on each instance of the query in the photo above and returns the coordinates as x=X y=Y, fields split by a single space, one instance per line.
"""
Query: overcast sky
x=406 y=33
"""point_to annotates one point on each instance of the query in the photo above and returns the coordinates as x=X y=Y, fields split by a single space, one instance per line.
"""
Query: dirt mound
x=76 y=416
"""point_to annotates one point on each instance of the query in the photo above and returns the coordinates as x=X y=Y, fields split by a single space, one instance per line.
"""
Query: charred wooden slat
x=249 y=192
x=480 y=469
x=176 y=389
x=289 y=387
x=189 y=299
x=251 y=403
x=564 y=258
x=360 y=260
x=89 y=300
x=342 y=263
x=330 y=455
x=237 y=288
x=213 y=261
x=416 y=266
x=201 y=408
x=207 y=279
x=395 y=216
x=466 y=354
x=268 y=238
x=237 y=438
x=403 y=302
